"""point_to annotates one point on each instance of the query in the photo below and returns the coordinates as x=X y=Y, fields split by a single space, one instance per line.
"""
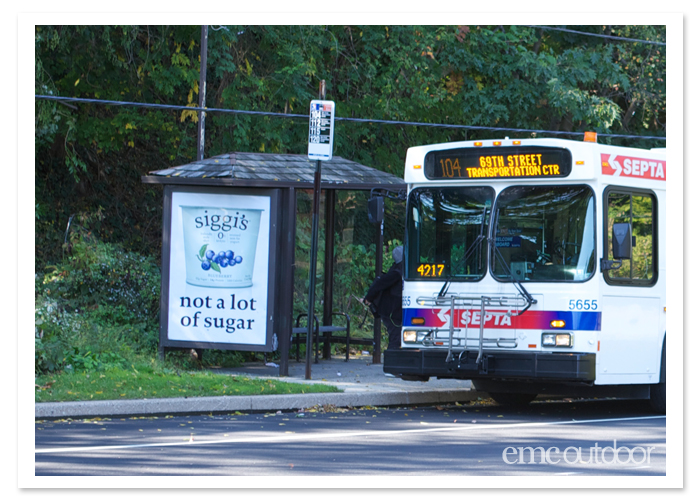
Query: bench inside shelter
x=328 y=334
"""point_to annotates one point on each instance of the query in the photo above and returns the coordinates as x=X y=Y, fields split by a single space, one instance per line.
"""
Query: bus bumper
x=418 y=364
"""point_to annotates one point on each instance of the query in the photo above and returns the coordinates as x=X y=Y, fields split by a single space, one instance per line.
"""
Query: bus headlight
x=409 y=336
x=557 y=340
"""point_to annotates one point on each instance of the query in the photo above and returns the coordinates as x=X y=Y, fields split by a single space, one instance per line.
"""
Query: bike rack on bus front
x=513 y=303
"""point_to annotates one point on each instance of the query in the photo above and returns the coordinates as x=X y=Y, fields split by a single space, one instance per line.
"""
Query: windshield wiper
x=467 y=254
x=470 y=251
x=521 y=289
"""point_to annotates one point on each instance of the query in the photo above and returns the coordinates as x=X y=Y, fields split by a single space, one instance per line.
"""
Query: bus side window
x=638 y=208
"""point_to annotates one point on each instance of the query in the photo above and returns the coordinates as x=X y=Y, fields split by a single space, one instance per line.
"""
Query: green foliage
x=96 y=308
x=354 y=259
x=90 y=158
x=79 y=359
x=101 y=274
x=49 y=343
x=493 y=76
x=355 y=265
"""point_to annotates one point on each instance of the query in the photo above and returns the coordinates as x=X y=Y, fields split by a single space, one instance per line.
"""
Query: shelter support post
x=329 y=265
x=286 y=311
x=378 y=265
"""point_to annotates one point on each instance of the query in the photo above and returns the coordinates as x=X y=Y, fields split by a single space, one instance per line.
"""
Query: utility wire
x=338 y=118
x=611 y=37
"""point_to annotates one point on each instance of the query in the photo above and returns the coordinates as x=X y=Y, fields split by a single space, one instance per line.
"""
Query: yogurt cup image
x=220 y=245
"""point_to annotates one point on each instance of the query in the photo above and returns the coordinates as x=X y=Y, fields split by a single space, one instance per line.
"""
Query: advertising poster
x=219 y=254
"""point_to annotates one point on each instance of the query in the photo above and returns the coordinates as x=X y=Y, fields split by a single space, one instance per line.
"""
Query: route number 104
x=583 y=305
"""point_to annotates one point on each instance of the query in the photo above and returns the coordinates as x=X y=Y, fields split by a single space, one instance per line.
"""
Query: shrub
x=97 y=273
x=97 y=308
x=49 y=343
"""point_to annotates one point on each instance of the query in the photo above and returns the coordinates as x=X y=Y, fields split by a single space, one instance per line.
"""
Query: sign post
x=321 y=124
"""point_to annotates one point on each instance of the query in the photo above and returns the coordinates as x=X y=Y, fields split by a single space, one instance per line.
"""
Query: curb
x=223 y=404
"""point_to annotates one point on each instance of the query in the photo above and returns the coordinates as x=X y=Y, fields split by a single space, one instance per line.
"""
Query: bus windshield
x=544 y=233
x=447 y=233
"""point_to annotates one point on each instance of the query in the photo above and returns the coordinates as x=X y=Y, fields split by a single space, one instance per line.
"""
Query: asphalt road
x=546 y=438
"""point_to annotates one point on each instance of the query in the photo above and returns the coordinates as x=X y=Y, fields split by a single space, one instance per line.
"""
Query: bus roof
x=540 y=141
x=462 y=161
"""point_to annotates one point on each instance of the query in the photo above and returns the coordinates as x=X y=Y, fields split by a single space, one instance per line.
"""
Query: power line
x=338 y=118
x=611 y=37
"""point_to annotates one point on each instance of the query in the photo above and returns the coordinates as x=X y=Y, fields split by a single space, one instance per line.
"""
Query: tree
x=90 y=155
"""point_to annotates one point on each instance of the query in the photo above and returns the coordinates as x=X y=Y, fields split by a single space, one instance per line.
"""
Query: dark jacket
x=385 y=292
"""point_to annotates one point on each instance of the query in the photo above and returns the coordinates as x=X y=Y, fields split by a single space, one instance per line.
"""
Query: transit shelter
x=229 y=236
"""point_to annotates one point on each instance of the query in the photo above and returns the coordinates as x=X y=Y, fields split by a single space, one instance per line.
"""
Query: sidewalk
x=362 y=383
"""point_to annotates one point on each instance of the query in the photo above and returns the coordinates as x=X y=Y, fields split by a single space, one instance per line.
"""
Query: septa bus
x=535 y=267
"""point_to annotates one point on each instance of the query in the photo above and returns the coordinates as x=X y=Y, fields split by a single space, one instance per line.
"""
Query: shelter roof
x=275 y=170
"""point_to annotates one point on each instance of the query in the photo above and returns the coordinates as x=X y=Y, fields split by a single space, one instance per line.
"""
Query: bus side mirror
x=622 y=240
x=375 y=209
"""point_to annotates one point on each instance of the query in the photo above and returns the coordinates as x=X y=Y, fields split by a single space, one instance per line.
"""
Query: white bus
x=535 y=266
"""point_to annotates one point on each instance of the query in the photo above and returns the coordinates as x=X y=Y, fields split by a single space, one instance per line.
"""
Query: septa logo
x=629 y=166
x=495 y=319
x=465 y=317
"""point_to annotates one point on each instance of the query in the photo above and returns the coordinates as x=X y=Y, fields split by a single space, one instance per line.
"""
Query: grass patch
x=97 y=326
x=148 y=382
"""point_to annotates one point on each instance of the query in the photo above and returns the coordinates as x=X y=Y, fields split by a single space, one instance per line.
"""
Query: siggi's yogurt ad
x=220 y=245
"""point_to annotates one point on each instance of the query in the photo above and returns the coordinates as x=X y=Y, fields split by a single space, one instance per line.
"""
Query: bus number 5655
x=583 y=305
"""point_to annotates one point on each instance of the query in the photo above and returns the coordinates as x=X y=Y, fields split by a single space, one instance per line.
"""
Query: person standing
x=385 y=293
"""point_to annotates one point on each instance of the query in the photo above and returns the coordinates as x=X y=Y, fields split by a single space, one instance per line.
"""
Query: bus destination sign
x=498 y=163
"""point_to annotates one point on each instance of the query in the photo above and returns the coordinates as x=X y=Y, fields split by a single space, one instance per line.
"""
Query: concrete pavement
x=362 y=383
